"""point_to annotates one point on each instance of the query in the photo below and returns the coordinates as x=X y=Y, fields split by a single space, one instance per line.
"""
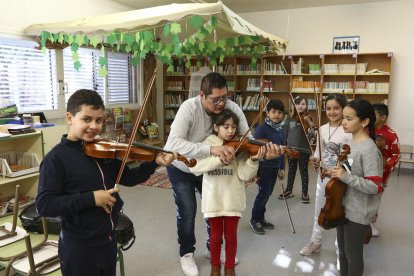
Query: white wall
x=382 y=27
x=16 y=15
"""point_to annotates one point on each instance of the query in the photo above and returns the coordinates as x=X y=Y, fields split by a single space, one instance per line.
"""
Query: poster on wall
x=345 y=45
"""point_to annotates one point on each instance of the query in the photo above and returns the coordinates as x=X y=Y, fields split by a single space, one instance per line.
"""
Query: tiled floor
x=155 y=251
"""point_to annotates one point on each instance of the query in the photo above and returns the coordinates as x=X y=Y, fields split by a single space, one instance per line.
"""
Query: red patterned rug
x=159 y=180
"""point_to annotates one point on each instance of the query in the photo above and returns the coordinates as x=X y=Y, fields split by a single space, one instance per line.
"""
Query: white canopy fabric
x=229 y=23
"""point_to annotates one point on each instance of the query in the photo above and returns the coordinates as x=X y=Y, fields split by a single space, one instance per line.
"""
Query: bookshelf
x=357 y=76
x=364 y=76
x=176 y=88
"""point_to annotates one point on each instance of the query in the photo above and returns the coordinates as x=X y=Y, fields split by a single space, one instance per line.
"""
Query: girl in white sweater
x=332 y=138
x=224 y=197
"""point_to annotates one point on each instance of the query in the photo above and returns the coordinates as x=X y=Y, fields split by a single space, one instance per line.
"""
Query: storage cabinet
x=29 y=143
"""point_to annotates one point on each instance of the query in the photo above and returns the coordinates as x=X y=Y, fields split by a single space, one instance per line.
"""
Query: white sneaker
x=222 y=255
x=338 y=265
x=188 y=265
x=310 y=248
x=375 y=231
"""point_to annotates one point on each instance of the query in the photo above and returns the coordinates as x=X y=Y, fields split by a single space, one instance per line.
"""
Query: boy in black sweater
x=80 y=189
x=274 y=130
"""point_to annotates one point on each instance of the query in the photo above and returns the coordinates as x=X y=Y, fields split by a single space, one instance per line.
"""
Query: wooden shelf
x=5 y=179
x=373 y=94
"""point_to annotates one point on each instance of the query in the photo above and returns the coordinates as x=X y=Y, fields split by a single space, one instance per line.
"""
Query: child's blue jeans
x=267 y=180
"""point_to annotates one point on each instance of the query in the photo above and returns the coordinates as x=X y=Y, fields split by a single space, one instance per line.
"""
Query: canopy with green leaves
x=177 y=30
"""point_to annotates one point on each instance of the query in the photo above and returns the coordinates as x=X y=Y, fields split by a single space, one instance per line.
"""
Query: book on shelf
x=376 y=72
x=338 y=87
x=283 y=67
x=169 y=114
x=239 y=101
x=361 y=68
x=253 y=84
x=253 y=103
x=246 y=102
x=267 y=86
x=315 y=69
x=371 y=87
x=330 y=69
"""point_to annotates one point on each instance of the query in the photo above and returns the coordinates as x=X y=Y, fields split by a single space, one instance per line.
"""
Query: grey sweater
x=365 y=184
x=191 y=126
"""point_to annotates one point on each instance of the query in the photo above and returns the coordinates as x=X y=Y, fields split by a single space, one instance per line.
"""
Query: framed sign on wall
x=345 y=44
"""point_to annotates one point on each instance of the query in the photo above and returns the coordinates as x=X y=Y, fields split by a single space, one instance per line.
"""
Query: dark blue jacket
x=264 y=131
x=68 y=178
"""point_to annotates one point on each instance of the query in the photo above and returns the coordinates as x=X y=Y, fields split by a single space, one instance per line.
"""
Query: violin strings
x=252 y=125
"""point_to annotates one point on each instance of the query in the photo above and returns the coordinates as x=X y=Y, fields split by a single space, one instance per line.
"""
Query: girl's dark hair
x=220 y=118
x=276 y=105
x=84 y=97
x=339 y=98
x=363 y=110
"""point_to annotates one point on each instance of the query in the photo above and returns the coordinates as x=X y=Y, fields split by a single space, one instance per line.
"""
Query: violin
x=252 y=146
x=139 y=152
x=333 y=212
x=304 y=118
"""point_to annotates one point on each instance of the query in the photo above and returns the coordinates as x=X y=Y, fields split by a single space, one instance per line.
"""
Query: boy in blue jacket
x=273 y=129
x=80 y=189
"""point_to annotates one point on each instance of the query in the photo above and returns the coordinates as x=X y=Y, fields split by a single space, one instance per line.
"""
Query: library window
x=28 y=77
x=121 y=78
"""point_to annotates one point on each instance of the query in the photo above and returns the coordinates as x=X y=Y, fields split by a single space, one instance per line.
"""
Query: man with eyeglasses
x=192 y=124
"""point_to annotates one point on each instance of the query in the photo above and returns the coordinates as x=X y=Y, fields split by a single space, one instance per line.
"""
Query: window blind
x=28 y=77
x=87 y=76
x=119 y=78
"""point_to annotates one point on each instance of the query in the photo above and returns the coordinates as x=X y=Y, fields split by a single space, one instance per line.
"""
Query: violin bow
x=287 y=207
x=318 y=99
x=136 y=125
x=252 y=125
x=301 y=122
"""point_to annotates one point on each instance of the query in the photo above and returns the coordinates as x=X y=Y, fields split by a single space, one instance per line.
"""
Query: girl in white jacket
x=332 y=138
x=224 y=197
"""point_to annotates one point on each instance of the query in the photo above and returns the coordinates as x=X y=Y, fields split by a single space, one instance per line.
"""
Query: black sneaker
x=267 y=225
x=257 y=227
x=288 y=194
x=305 y=199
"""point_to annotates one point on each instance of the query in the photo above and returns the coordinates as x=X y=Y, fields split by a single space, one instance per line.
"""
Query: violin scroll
x=189 y=163
x=291 y=153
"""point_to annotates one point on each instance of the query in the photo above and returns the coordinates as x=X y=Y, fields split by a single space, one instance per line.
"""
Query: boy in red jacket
x=391 y=149
x=389 y=146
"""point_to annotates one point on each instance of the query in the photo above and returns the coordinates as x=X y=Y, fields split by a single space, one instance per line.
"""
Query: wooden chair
x=36 y=268
x=12 y=232
x=406 y=149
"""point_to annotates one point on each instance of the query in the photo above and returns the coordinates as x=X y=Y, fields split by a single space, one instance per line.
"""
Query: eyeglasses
x=216 y=101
